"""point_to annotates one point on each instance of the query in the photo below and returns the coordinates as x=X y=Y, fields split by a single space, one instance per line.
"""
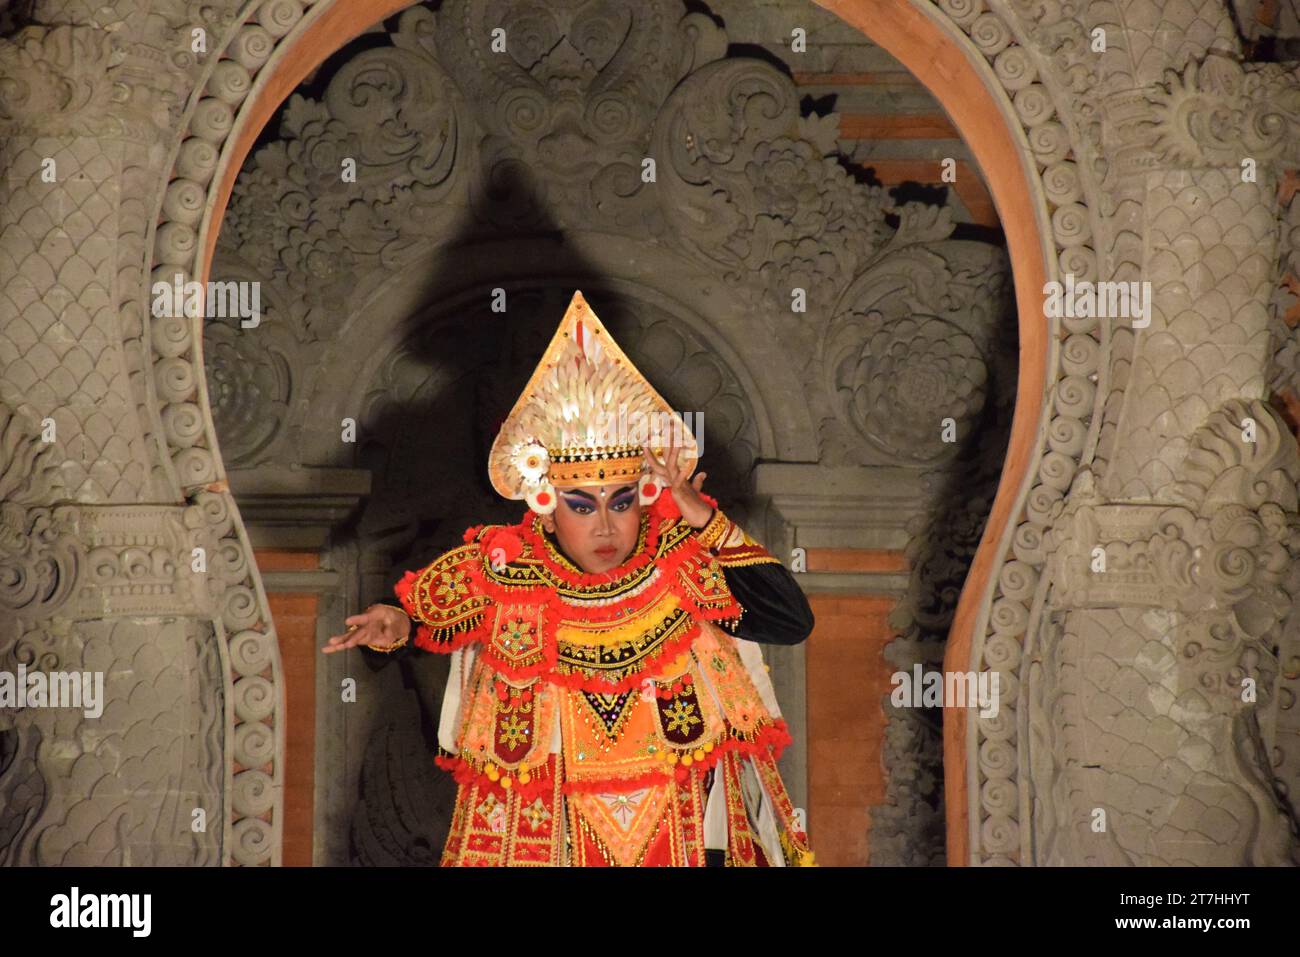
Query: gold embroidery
x=440 y=597
x=451 y=587
x=517 y=637
x=681 y=715
x=513 y=732
x=536 y=814
x=624 y=703
x=712 y=534
x=616 y=662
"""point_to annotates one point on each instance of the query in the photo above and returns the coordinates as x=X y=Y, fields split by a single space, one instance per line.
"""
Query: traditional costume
x=618 y=718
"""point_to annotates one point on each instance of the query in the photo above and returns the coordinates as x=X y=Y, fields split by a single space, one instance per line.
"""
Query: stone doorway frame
x=970 y=59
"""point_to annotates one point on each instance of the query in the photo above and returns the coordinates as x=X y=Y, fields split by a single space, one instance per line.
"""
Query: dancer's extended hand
x=381 y=625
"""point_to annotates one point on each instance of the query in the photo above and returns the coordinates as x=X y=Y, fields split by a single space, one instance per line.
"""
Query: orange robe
x=607 y=719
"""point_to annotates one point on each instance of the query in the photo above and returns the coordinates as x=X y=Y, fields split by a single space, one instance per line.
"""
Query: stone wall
x=1148 y=709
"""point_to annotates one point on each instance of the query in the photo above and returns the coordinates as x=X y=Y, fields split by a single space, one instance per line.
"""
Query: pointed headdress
x=585 y=417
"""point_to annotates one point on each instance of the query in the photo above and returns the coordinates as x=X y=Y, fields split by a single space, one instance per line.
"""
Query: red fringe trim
x=556 y=610
x=465 y=773
x=670 y=578
x=424 y=633
x=424 y=638
x=403 y=590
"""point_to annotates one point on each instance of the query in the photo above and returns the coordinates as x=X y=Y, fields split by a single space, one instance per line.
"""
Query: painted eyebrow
x=592 y=499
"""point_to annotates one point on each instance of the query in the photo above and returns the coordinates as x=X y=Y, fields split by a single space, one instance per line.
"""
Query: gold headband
x=575 y=468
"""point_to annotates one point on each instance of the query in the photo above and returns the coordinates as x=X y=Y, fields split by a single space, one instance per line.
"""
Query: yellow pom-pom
x=493 y=773
x=672 y=757
x=505 y=781
x=686 y=760
x=699 y=754
x=524 y=777
x=708 y=747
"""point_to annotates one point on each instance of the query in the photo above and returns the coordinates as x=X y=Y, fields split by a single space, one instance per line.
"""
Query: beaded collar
x=557 y=557
x=657 y=536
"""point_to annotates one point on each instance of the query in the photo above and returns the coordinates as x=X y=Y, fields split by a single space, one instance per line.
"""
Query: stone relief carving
x=1029 y=47
x=744 y=186
x=961 y=480
x=1227 y=546
x=1112 y=106
x=1220 y=112
x=1284 y=312
x=1179 y=692
x=735 y=188
x=38 y=555
x=911 y=345
x=93 y=101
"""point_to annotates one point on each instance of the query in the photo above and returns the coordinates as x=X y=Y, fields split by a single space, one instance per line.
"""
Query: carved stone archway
x=937 y=48
x=1103 y=164
x=375 y=301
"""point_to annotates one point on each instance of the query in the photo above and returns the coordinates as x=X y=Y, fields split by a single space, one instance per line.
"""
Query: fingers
x=680 y=469
x=659 y=467
x=348 y=642
x=378 y=624
x=372 y=615
x=656 y=468
x=674 y=470
x=671 y=471
x=355 y=636
x=342 y=643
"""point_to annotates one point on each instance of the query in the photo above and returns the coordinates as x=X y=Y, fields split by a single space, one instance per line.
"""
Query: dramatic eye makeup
x=583 y=503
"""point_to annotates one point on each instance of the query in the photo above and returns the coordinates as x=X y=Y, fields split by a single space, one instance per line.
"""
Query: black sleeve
x=776 y=610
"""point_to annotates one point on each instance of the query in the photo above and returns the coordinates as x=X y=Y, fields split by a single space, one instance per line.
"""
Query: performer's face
x=597 y=525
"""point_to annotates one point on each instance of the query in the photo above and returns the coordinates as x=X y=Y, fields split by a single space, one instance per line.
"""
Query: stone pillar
x=844 y=531
x=1155 y=677
x=102 y=581
x=123 y=554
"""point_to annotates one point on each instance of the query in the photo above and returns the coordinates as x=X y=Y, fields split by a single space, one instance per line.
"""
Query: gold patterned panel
x=441 y=595
x=481 y=727
x=721 y=666
x=517 y=634
x=590 y=755
x=690 y=719
x=625 y=822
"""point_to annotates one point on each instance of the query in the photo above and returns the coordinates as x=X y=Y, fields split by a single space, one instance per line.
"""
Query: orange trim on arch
x=942 y=66
x=341 y=21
